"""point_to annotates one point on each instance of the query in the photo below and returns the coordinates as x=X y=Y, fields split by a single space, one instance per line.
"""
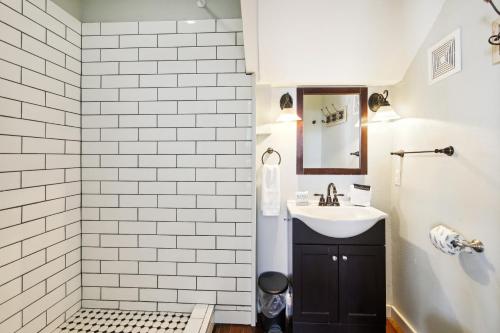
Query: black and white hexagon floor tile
x=118 y=321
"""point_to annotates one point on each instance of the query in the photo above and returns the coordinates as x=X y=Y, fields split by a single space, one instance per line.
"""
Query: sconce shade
x=379 y=104
x=385 y=113
x=288 y=113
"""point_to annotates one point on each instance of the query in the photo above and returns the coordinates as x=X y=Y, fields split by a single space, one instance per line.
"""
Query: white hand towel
x=271 y=195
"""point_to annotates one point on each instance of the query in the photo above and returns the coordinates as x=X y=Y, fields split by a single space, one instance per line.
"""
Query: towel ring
x=270 y=151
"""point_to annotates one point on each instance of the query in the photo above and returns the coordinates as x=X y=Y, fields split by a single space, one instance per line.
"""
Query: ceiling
x=148 y=10
x=334 y=42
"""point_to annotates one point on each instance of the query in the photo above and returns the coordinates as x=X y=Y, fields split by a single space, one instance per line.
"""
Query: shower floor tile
x=118 y=321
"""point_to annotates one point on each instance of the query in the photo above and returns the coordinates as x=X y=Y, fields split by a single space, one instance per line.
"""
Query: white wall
x=328 y=42
x=272 y=232
x=436 y=292
x=40 y=280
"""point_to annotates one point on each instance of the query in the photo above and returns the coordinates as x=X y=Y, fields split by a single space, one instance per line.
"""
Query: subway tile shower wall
x=167 y=168
x=40 y=243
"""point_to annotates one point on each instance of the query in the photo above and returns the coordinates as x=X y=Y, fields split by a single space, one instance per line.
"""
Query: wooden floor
x=236 y=329
x=393 y=327
x=249 y=329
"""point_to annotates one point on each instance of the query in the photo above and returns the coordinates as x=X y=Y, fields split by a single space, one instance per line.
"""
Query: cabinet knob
x=334 y=258
x=344 y=258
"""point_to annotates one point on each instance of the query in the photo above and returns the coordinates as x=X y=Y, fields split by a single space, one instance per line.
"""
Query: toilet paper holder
x=474 y=244
x=451 y=242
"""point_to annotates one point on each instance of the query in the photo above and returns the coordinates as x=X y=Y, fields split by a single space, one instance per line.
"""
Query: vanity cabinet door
x=315 y=276
x=362 y=284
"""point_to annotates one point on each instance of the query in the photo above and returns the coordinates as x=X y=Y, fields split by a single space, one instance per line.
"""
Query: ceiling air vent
x=445 y=57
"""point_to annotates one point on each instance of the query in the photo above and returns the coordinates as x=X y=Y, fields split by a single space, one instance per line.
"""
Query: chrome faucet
x=329 y=200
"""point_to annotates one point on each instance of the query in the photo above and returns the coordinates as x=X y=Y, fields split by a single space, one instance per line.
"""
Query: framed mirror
x=332 y=135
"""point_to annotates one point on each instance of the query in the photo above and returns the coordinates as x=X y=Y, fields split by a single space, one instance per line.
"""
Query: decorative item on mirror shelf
x=335 y=117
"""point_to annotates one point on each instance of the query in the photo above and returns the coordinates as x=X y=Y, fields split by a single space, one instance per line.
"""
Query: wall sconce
x=384 y=112
x=287 y=113
x=494 y=39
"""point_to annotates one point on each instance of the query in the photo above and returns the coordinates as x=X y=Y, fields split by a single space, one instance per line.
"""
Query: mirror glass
x=331 y=131
x=331 y=137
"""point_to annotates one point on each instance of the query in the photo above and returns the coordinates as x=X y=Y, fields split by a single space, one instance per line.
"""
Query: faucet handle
x=335 y=201
x=321 y=199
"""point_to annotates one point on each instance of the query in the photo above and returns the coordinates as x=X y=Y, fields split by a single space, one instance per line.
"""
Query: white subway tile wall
x=40 y=190
x=167 y=168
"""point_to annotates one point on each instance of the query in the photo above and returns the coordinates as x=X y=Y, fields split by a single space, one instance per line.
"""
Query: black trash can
x=273 y=287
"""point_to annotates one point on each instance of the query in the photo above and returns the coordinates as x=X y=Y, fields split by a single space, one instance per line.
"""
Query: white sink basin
x=338 y=222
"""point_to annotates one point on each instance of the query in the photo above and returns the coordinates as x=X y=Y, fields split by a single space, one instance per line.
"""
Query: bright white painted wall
x=272 y=232
x=436 y=292
x=325 y=42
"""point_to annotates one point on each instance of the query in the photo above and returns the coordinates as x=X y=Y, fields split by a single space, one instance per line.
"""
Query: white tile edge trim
x=392 y=312
x=201 y=319
x=208 y=322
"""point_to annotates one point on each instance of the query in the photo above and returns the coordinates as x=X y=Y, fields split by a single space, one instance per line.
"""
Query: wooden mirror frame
x=363 y=162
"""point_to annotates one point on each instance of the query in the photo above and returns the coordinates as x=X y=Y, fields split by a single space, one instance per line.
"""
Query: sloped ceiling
x=334 y=42
x=148 y=10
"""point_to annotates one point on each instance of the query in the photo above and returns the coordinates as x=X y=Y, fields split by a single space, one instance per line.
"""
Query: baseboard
x=403 y=323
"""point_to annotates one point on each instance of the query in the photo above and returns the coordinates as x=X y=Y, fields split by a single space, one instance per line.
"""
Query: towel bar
x=447 y=151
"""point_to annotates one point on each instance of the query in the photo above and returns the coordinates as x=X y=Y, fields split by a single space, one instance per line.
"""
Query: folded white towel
x=271 y=195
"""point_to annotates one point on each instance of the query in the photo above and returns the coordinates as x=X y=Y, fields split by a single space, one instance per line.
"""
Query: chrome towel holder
x=270 y=151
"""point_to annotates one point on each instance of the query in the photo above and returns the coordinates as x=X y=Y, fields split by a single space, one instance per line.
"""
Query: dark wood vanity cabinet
x=317 y=282
x=339 y=283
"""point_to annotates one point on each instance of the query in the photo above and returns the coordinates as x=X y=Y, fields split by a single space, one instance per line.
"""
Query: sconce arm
x=495 y=8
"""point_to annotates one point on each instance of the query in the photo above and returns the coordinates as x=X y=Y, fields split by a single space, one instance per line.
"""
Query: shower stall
x=126 y=173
